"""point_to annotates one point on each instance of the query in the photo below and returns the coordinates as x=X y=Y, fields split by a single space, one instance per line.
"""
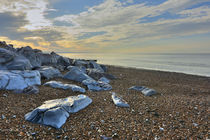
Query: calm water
x=197 y=64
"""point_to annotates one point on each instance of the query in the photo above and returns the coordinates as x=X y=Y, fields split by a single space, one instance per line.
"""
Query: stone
x=33 y=55
x=76 y=74
x=48 y=72
x=104 y=79
x=93 y=85
x=96 y=74
x=96 y=66
x=18 y=80
x=79 y=63
x=11 y=61
x=118 y=101
x=104 y=67
x=55 y=112
x=27 y=90
x=82 y=68
x=57 y=84
x=146 y=91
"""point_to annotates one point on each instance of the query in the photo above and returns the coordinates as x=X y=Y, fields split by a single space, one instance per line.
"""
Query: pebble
x=58 y=137
x=14 y=116
x=2 y=117
x=115 y=135
x=161 y=129
x=195 y=124
x=66 y=137
x=4 y=95
x=102 y=121
x=33 y=133
x=105 y=138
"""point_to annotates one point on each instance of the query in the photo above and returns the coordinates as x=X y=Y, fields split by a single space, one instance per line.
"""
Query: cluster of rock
x=21 y=70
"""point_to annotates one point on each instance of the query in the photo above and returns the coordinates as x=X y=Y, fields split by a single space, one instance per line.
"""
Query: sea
x=195 y=64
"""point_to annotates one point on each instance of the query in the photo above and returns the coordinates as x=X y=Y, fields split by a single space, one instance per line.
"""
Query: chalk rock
x=57 y=84
x=28 y=90
x=96 y=85
x=82 y=68
x=18 y=80
x=146 y=91
x=76 y=74
x=49 y=72
x=11 y=61
x=118 y=101
x=55 y=112
x=96 y=74
x=104 y=79
x=96 y=66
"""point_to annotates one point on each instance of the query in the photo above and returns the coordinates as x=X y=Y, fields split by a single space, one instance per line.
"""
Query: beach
x=180 y=110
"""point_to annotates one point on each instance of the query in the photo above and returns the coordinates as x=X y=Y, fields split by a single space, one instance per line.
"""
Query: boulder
x=18 y=80
x=96 y=66
x=79 y=63
x=76 y=74
x=55 y=112
x=96 y=74
x=9 y=47
x=82 y=68
x=56 y=84
x=11 y=61
x=48 y=72
x=118 y=101
x=93 y=85
x=33 y=55
x=144 y=90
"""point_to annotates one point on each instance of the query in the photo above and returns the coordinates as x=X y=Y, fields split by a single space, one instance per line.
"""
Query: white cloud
x=34 y=11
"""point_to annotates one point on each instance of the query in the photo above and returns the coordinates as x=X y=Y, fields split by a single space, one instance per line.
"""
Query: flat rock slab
x=146 y=91
x=57 y=84
x=118 y=101
x=93 y=85
x=18 y=80
x=55 y=112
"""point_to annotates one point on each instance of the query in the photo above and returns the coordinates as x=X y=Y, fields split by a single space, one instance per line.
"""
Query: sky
x=107 y=26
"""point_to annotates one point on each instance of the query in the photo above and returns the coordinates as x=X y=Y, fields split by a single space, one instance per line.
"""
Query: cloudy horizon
x=123 y=26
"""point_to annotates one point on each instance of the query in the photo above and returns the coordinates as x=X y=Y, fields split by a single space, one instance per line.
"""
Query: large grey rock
x=11 y=61
x=76 y=74
x=48 y=72
x=82 y=68
x=57 y=84
x=18 y=80
x=93 y=85
x=33 y=55
x=118 y=101
x=146 y=91
x=79 y=63
x=55 y=112
x=96 y=74
x=104 y=80
x=96 y=66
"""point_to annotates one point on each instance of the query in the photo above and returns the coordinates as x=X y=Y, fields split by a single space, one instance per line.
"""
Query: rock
x=48 y=59
x=18 y=80
x=82 y=68
x=3 y=117
x=33 y=55
x=11 y=61
x=119 y=101
x=104 y=67
x=79 y=63
x=104 y=79
x=76 y=74
x=96 y=85
x=49 y=72
x=146 y=91
x=96 y=74
x=55 y=112
x=56 y=84
x=105 y=138
x=9 y=47
x=28 y=90
x=96 y=66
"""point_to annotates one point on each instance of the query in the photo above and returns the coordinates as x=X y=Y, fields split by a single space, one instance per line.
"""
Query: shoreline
x=178 y=111
x=158 y=70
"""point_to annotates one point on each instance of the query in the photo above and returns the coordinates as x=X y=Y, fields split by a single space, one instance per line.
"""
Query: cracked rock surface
x=18 y=80
x=55 y=112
